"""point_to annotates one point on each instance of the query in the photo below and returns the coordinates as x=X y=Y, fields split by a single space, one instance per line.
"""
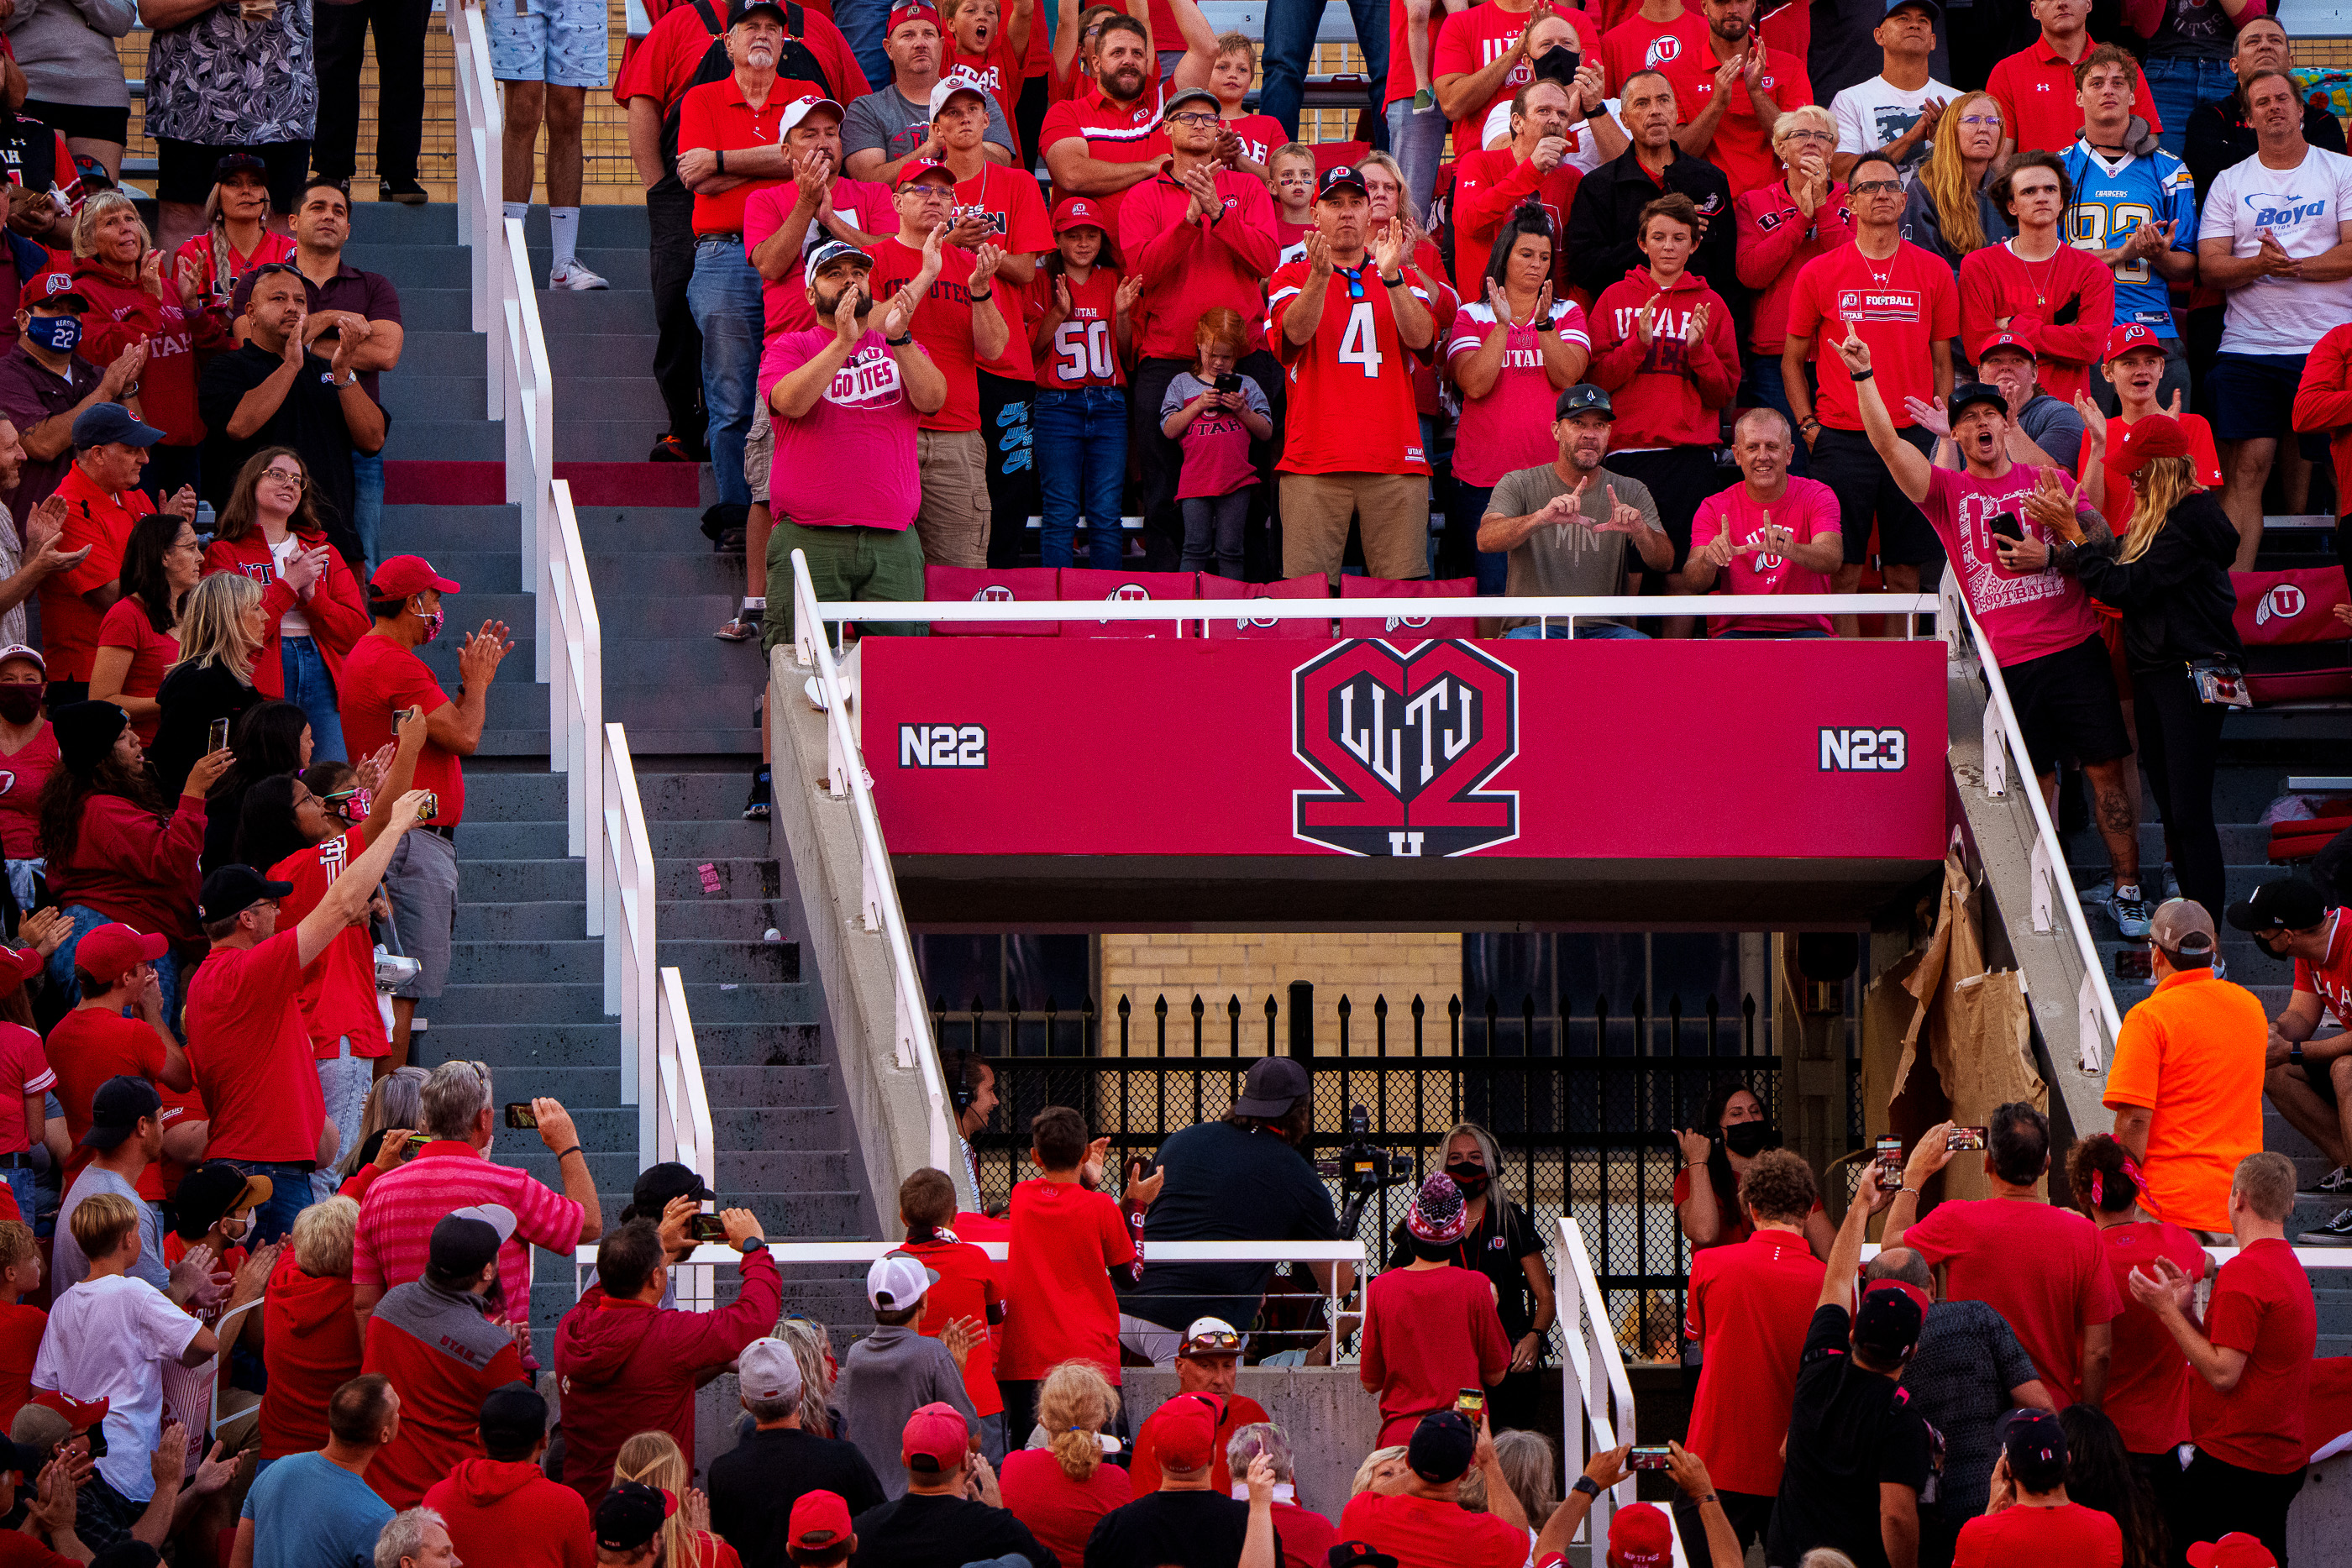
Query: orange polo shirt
x=2192 y=1054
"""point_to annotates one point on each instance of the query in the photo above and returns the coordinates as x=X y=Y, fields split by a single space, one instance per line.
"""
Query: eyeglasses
x=287 y=477
x=1991 y=120
x=1191 y=117
x=1876 y=188
x=1809 y=136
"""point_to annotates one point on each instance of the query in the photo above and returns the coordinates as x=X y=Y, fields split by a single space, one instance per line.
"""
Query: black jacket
x=2175 y=598
x=2218 y=136
x=1608 y=211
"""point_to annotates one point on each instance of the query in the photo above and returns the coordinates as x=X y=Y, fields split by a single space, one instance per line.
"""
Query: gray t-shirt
x=67 y=1264
x=65 y=48
x=895 y=125
x=2052 y=424
x=1566 y=560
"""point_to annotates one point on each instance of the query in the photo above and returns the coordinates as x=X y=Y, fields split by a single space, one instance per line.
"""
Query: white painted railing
x=1596 y=1401
x=1408 y=613
x=661 y=1073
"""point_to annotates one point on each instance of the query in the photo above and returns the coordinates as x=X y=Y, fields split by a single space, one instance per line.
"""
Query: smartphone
x=1890 y=1163
x=2134 y=964
x=1965 y=1138
x=2005 y=525
x=218 y=738
x=428 y=808
x=1472 y=1403
x=520 y=1114
x=401 y=716
x=416 y=1142
x=1650 y=1458
x=706 y=1227
x=1231 y=382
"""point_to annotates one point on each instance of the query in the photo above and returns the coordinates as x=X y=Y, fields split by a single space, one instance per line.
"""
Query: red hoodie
x=625 y=1367
x=336 y=609
x=1663 y=395
x=509 y=1513
x=310 y=1347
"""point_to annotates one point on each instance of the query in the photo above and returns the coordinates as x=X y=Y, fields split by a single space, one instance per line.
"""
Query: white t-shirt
x=294 y=623
x=107 y=1339
x=2301 y=207
x=1874 y=114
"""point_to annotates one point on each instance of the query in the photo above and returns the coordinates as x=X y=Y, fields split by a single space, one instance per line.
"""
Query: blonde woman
x=1383 y=1471
x=812 y=1345
x=222 y=626
x=653 y=1457
x=1061 y=1489
x=1949 y=210
x=2169 y=575
x=310 y=1341
x=1782 y=227
x=131 y=298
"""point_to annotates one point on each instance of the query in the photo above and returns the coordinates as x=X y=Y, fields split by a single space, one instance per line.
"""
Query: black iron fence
x=1581 y=1103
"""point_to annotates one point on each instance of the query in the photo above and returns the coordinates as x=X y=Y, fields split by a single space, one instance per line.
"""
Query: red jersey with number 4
x=1084 y=350
x=1900 y=305
x=1351 y=409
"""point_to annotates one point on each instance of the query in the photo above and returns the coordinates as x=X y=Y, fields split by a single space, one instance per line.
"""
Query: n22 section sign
x=1390 y=748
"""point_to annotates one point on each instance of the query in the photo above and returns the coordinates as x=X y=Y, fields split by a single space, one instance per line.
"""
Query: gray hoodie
x=886 y=1377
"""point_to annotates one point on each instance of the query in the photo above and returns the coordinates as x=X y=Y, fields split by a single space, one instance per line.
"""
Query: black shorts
x=187 y=171
x=1850 y=465
x=1680 y=479
x=2066 y=703
x=88 y=122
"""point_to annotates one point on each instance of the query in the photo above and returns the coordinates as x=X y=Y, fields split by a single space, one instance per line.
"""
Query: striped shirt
x=1114 y=133
x=402 y=1206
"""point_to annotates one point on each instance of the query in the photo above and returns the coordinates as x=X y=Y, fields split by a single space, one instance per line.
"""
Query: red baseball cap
x=18 y=965
x=407 y=574
x=51 y=286
x=820 y=1520
x=914 y=169
x=2006 y=340
x=2235 y=1550
x=1183 y=1432
x=2157 y=436
x=1641 y=1536
x=2127 y=335
x=82 y=1414
x=1078 y=211
x=935 y=1432
x=916 y=11
x=1914 y=1292
x=114 y=948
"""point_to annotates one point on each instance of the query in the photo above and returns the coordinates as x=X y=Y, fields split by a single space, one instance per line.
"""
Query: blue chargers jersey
x=2109 y=206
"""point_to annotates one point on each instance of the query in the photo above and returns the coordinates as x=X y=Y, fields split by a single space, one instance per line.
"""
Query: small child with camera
x=1215 y=412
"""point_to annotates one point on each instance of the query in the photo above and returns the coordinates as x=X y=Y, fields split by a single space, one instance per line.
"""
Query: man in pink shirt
x=395 y=1238
x=1738 y=536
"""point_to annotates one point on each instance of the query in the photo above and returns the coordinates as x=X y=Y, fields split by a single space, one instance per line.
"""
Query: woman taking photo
x=1949 y=210
x=1781 y=227
x=28 y=755
x=139 y=639
x=1731 y=1133
x=134 y=299
x=222 y=627
x=1511 y=353
x=2169 y=575
x=270 y=740
x=268 y=532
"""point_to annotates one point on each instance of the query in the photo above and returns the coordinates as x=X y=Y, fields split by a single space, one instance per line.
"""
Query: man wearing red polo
x=1732 y=127
x=2035 y=87
x=1200 y=236
x=102 y=500
x=1105 y=142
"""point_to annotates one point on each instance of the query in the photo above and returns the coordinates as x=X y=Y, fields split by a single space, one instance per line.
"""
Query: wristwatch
x=1586 y=1485
x=2294 y=1053
x=1396 y=282
x=344 y=385
x=752 y=1244
x=1546 y=324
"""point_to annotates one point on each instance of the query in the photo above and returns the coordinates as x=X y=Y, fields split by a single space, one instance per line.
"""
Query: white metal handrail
x=2097 y=1021
x=1410 y=613
x=1596 y=1400
x=847 y=776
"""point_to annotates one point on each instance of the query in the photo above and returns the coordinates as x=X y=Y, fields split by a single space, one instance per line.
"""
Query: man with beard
x=1105 y=142
x=1730 y=97
x=1566 y=524
x=1605 y=220
x=2309 y=1072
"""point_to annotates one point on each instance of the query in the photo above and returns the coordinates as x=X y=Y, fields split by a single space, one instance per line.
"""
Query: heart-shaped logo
x=1405 y=740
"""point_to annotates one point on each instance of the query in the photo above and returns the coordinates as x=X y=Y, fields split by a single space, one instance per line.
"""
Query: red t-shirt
x=380 y=677
x=967 y=1289
x=2117 y=506
x=1085 y=350
x=1428 y=1533
x=2024 y=1537
x=181 y=1106
x=122 y=313
x=2035 y=87
x=102 y=521
x=1401 y=56
x=1995 y=282
x=22 y=774
x=125 y=625
x=2332 y=981
x=1807 y=509
x=862 y=204
x=1639 y=44
x=1900 y=305
x=716 y=115
x=2262 y=1304
x=1474 y=39
x=2147 y=1378
x=1351 y=401
x=1116 y=133
x=2048 y=1305
x=2026 y=615
x=1429 y=1334
x=86 y=1048
x=18 y=1550
x=661 y=66
x=21 y=1328
x=251 y=1054
x=1260 y=134
x=1059 y=1305
x=212 y=262
x=1060 y=1513
x=942 y=323
x=1750 y=1306
x=24 y=1075
x=338 y=985
x=1305 y=1536
x=1241 y=1411
x=1741 y=149
x=1018 y=226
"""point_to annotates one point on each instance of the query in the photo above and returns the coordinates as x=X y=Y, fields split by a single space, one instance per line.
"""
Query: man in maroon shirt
x=1199 y=235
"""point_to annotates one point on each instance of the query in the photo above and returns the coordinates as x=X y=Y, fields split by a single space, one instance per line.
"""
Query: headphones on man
x=960 y=1091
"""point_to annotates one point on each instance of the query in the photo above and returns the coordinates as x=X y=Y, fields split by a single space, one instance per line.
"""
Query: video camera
x=1364 y=1168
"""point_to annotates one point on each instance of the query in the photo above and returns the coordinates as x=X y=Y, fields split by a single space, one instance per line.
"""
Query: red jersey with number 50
x=1084 y=350
x=1350 y=403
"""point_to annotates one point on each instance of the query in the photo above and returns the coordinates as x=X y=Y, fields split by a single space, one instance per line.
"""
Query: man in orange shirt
x=2185 y=1085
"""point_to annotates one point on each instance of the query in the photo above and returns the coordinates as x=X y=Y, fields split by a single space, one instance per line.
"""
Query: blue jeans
x=1586 y=631
x=1767 y=389
x=1418 y=140
x=367 y=507
x=28 y=1194
x=724 y=298
x=2179 y=85
x=61 y=970
x=866 y=23
x=290 y=1195
x=311 y=689
x=1081 y=440
x=1290 y=42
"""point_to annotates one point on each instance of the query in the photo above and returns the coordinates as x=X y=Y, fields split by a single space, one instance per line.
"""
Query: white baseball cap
x=767 y=1370
x=800 y=109
x=497 y=1215
x=898 y=1282
x=946 y=86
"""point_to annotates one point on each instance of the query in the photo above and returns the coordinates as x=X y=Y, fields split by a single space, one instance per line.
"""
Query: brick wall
x=1219 y=965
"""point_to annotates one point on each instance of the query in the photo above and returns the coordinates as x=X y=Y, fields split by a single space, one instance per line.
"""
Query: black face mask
x=2260 y=940
x=1748 y=1139
x=1557 y=64
x=20 y=704
x=1471 y=1177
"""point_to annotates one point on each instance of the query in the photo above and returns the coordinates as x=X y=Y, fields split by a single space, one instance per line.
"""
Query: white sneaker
x=575 y=278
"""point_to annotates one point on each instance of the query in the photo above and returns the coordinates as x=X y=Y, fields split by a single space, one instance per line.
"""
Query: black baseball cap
x=1888 y=1324
x=116 y=1108
x=1441 y=1447
x=233 y=889
x=1968 y=392
x=743 y=9
x=660 y=1185
x=1340 y=177
x=212 y=1190
x=513 y=1415
x=2288 y=904
x=238 y=163
x=1358 y=1555
x=632 y=1514
x=1275 y=1084
x=2035 y=1444
x=1584 y=398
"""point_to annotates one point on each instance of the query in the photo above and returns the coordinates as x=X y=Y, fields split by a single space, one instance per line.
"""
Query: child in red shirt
x=1431 y=1330
x=20 y=1326
x=1064 y=1241
x=967 y=1295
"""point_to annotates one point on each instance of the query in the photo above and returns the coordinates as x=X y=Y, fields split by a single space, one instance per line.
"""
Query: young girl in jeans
x=1080 y=329
x=1216 y=425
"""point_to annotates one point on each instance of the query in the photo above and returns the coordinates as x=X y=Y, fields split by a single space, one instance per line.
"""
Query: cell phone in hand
x=1658 y=1457
x=706 y=1227
x=1960 y=1138
x=416 y=1142
x=521 y=1116
x=2006 y=525
x=1470 y=1404
x=1231 y=382
x=1890 y=1163
x=217 y=739
x=401 y=716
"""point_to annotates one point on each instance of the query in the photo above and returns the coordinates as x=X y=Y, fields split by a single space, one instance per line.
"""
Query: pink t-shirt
x=1216 y=445
x=850 y=460
x=1510 y=427
x=1807 y=509
x=2026 y=615
x=862 y=204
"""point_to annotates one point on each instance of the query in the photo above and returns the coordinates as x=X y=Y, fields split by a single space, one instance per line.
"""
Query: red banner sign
x=1660 y=750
